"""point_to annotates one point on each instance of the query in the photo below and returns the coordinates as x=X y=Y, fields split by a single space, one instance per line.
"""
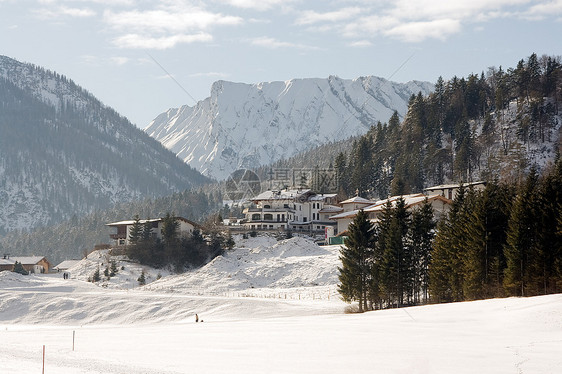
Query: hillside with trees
x=72 y=238
x=64 y=154
x=495 y=124
x=505 y=240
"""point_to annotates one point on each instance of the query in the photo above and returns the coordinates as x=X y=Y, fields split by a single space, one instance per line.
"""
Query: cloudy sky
x=143 y=57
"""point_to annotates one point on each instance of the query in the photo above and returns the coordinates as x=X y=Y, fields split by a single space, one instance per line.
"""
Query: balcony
x=118 y=236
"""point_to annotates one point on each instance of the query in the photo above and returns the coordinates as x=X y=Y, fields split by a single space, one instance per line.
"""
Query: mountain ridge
x=248 y=125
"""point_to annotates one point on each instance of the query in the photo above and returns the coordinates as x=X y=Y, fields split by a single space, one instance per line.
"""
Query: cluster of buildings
x=302 y=210
x=299 y=210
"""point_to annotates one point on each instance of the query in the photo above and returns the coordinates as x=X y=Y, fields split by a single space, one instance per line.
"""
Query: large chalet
x=291 y=209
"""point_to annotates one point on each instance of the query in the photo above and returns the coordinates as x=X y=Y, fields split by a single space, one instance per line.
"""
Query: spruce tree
x=113 y=269
x=18 y=268
x=446 y=267
x=521 y=237
x=141 y=279
x=96 y=277
x=421 y=234
x=135 y=233
x=356 y=258
x=397 y=258
x=170 y=227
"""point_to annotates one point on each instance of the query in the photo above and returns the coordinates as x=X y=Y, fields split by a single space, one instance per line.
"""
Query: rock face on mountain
x=248 y=125
x=63 y=153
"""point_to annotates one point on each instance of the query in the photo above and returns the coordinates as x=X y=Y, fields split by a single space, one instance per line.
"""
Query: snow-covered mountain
x=63 y=153
x=248 y=125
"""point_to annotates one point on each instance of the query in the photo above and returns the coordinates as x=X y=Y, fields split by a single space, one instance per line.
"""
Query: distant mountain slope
x=245 y=126
x=63 y=153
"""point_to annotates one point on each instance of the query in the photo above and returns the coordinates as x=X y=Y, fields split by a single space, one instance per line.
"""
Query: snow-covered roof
x=291 y=195
x=142 y=221
x=357 y=199
x=130 y=222
x=351 y=214
x=24 y=260
x=450 y=186
x=280 y=195
x=322 y=197
x=330 y=209
x=66 y=264
x=410 y=200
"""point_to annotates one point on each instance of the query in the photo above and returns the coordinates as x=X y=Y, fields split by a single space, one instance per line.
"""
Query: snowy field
x=267 y=307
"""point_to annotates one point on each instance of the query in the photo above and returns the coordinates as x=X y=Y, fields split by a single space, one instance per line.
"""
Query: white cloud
x=309 y=16
x=272 y=43
x=137 y=41
x=418 y=31
x=169 y=24
x=104 y=60
x=418 y=20
x=162 y=20
x=63 y=11
x=361 y=43
x=258 y=5
x=118 y=60
x=544 y=9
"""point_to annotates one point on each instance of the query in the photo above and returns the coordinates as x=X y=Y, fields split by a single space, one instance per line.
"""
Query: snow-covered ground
x=267 y=307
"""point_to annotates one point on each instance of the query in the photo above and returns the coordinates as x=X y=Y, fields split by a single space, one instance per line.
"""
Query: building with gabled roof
x=121 y=237
x=449 y=191
x=32 y=264
x=439 y=204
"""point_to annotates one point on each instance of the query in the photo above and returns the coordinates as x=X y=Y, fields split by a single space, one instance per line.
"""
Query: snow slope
x=152 y=329
x=248 y=125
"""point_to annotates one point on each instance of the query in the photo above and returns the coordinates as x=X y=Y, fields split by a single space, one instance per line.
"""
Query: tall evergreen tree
x=420 y=238
x=356 y=257
x=135 y=233
x=521 y=237
x=397 y=258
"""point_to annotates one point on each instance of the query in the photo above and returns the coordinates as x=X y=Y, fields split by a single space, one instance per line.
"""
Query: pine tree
x=229 y=243
x=146 y=235
x=521 y=237
x=421 y=234
x=170 y=227
x=96 y=277
x=113 y=268
x=446 y=268
x=356 y=258
x=141 y=279
x=18 y=268
x=397 y=258
x=135 y=233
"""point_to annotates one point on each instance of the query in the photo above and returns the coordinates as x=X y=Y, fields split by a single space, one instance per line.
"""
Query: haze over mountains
x=63 y=153
x=249 y=125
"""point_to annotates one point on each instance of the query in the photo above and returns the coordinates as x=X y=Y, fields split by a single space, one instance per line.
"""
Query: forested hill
x=63 y=153
x=493 y=125
x=71 y=238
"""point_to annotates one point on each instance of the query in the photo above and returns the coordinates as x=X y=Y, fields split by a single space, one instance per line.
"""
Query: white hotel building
x=291 y=209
